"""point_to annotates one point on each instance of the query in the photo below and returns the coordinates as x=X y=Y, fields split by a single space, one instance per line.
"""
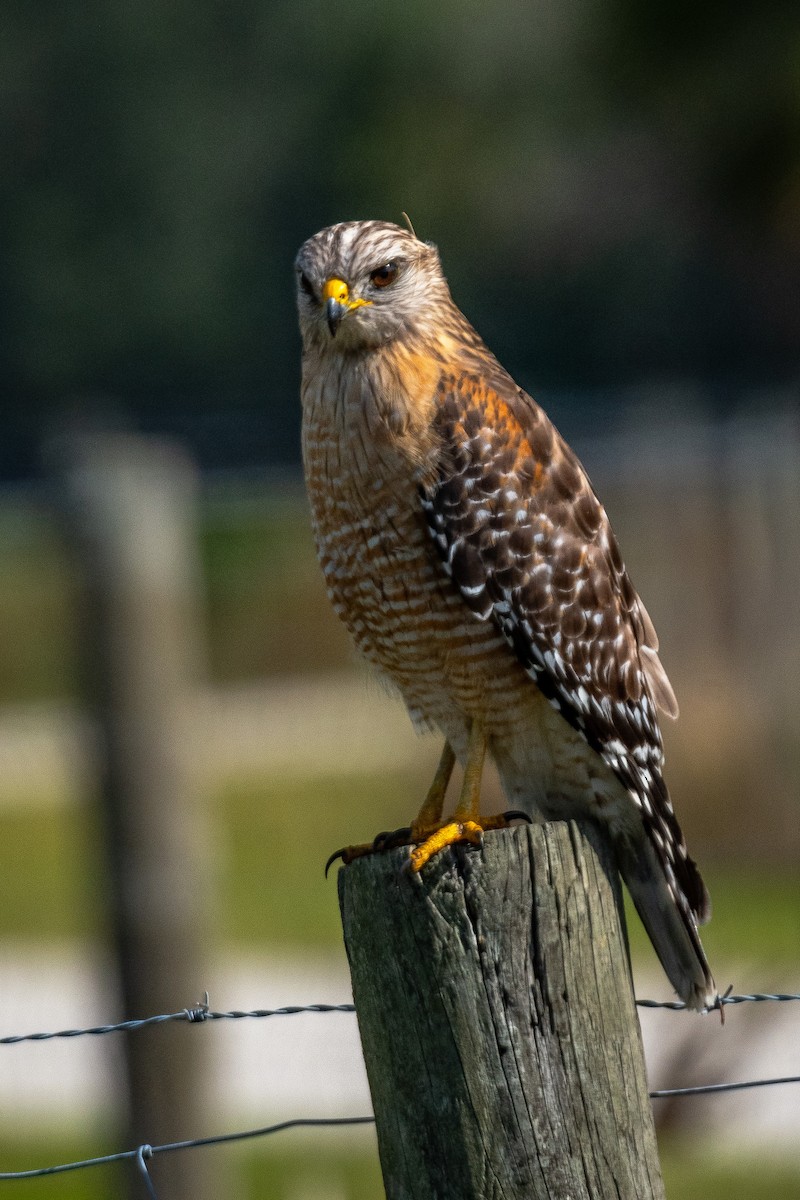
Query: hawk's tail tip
x=671 y=928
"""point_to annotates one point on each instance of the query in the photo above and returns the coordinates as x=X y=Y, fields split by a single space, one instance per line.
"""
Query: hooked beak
x=338 y=304
x=334 y=311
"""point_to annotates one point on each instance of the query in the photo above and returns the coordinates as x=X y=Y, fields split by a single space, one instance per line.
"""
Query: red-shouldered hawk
x=464 y=548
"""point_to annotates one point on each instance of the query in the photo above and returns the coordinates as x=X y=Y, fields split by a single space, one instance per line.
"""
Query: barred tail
x=669 y=921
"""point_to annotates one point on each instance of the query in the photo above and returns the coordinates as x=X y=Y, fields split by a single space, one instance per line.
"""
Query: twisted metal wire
x=200 y=1013
x=195 y=1016
x=750 y=998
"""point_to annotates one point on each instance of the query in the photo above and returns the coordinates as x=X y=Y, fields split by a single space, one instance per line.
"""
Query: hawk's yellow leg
x=429 y=816
x=466 y=825
x=427 y=820
x=428 y=833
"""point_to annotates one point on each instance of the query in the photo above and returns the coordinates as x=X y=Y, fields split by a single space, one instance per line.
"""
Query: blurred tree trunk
x=131 y=504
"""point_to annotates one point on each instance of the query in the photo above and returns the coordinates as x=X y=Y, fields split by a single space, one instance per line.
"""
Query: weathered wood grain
x=498 y=1022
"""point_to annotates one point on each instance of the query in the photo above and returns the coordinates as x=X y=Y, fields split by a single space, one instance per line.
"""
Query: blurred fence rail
x=707 y=513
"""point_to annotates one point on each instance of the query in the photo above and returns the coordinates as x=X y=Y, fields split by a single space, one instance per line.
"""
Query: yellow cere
x=337 y=289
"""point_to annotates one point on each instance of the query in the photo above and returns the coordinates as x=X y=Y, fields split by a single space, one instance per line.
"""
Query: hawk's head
x=361 y=283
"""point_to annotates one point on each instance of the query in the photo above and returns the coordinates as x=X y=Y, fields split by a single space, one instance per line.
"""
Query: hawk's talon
x=427 y=841
x=342 y=854
x=456 y=831
x=388 y=839
x=391 y=839
x=449 y=834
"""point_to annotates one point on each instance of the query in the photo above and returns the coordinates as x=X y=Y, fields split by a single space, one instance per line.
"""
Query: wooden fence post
x=131 y=504
x=498 y=1022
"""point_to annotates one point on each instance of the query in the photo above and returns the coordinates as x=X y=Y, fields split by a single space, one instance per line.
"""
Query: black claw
x=390 y=839
x=514 y=814
x=399 y=837
x=336 y=854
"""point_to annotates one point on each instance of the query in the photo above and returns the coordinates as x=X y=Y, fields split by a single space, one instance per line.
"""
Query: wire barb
x=199 y=1012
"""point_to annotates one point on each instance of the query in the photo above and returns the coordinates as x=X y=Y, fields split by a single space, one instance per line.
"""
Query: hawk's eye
x=385 y=275
x=306 y=285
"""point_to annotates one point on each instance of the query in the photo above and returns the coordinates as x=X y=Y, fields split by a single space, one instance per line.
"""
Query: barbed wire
x=195 y=1016
x=202 y=1012
x=750 y=998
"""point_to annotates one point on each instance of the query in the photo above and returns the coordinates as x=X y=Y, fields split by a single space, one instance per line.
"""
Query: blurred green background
x=615 y=191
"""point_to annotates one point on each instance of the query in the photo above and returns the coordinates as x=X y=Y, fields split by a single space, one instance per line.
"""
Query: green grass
x=52 y=882
x=96 y=1183
x=276 y=837
x=329 y=1165
x=756 y=922
x=272 y=838
x=693 y=1172
x=284 y=1175
x=266 y=610
x=293 y=1167
x=38 y=592
x=266 y=603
